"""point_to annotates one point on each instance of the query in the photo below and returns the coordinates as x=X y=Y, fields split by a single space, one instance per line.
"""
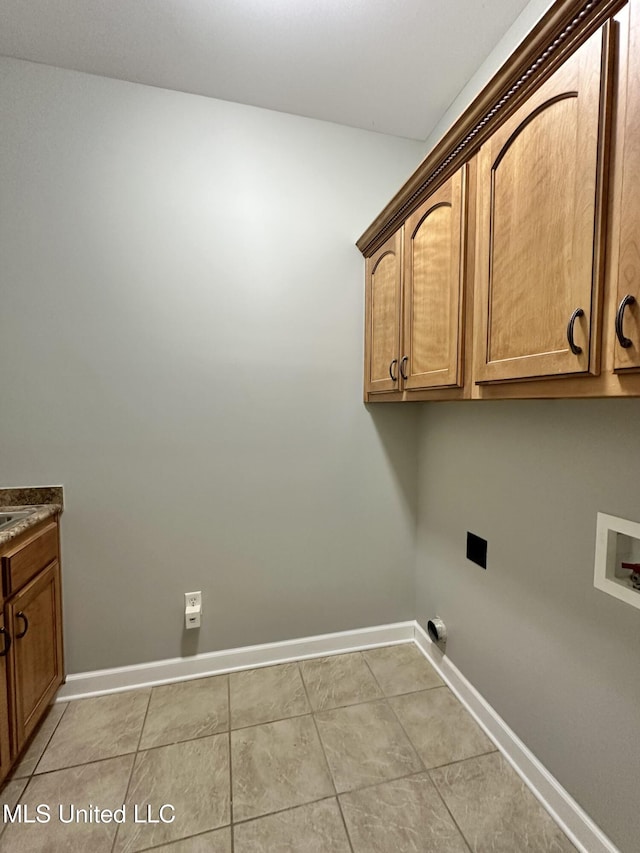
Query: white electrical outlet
x=193 y=599
x=192 y=609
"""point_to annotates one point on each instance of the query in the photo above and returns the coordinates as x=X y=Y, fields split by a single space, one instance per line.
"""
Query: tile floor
x=359 y=753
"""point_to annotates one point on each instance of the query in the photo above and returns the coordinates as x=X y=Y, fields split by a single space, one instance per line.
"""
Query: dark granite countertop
x=42 y=502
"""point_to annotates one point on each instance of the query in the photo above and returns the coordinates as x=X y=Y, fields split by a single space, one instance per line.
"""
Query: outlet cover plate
x=193 y=599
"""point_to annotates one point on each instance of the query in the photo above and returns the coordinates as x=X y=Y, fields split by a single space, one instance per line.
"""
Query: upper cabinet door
x=627 y=318
x=382 y=330
x=433 y=301
x=538 y=271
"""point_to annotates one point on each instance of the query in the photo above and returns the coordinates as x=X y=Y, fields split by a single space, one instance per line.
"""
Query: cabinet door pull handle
x=405 y=359
x=575 y=349
x=7 y=642
x=21 y=615
x=629 y=299
x=393 y=378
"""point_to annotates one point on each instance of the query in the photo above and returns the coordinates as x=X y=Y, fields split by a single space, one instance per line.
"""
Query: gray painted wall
x=181 y=347
x=516 y=33
x=556 y=658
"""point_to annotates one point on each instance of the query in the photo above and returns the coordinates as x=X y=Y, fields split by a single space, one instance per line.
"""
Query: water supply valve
x=635 y=573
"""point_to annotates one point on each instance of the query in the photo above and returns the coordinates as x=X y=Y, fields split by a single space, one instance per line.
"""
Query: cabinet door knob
x=21 y=615
x=629 y=299
x=393 y=378
x=405 y=359
x=575 y=349
x=7 y=642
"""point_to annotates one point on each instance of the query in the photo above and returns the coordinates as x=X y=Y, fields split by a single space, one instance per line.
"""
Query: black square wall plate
x=477 y=550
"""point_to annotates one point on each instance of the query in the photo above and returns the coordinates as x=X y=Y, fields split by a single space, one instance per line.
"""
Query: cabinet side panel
x=629 y=266
x=5 y=751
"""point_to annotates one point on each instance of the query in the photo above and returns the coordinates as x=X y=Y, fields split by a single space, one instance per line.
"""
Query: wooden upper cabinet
x=433 y=295
x=382 y=316
x=538 y=240
x=627 y=318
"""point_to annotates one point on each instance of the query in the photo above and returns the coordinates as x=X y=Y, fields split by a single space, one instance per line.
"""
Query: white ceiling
x=392 y=66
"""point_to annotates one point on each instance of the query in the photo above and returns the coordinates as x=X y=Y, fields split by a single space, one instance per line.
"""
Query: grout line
x=461 y=760
x=315 y=725
x=406 y=734
x=232 y=842
x=133 y=764
x=444 y=803
x=176 y=841
x=254 y=818
x=426 y=769
x=83 y=764
x=326 y=760
x=373 y=675
x=49 y=739
x=3 y=787
x=324 y=753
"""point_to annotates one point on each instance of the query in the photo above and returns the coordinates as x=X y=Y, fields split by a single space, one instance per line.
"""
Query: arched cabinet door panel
x=538 y=272
x=433 y=289
x=382 y=316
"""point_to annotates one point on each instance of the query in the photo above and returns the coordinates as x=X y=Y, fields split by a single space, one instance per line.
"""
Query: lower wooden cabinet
x=31 y=666
x=35 y=661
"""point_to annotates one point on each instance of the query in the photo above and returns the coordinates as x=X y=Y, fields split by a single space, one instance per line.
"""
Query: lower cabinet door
x=5 y=751
x=34 y=617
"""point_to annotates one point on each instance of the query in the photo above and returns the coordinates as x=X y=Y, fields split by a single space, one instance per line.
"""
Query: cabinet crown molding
x=566 y=25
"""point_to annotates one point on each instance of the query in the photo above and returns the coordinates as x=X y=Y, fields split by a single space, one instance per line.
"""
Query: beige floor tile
x=29 y=760
x=186 y=710
x=495 y=810
x=365 y=744
x=93 y=729
x=10 y=795
x=401 y=669
x=103 y=784
x=218 y=841
x=439 y=727
x=193 y=777
x=406 y=815
x=339 y=680
x=263 y=695
x=314 y=828
x=276 y=766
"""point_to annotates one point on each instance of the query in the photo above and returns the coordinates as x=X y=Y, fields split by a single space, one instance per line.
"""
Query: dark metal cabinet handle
x=404 y=360
x=21 y=615
x=7 y=642
x=575 y=349
x=629 y=299
x=393 y=378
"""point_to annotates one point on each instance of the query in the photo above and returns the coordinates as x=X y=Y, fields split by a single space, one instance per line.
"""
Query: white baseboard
x=84 y=685
x=571 y=818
